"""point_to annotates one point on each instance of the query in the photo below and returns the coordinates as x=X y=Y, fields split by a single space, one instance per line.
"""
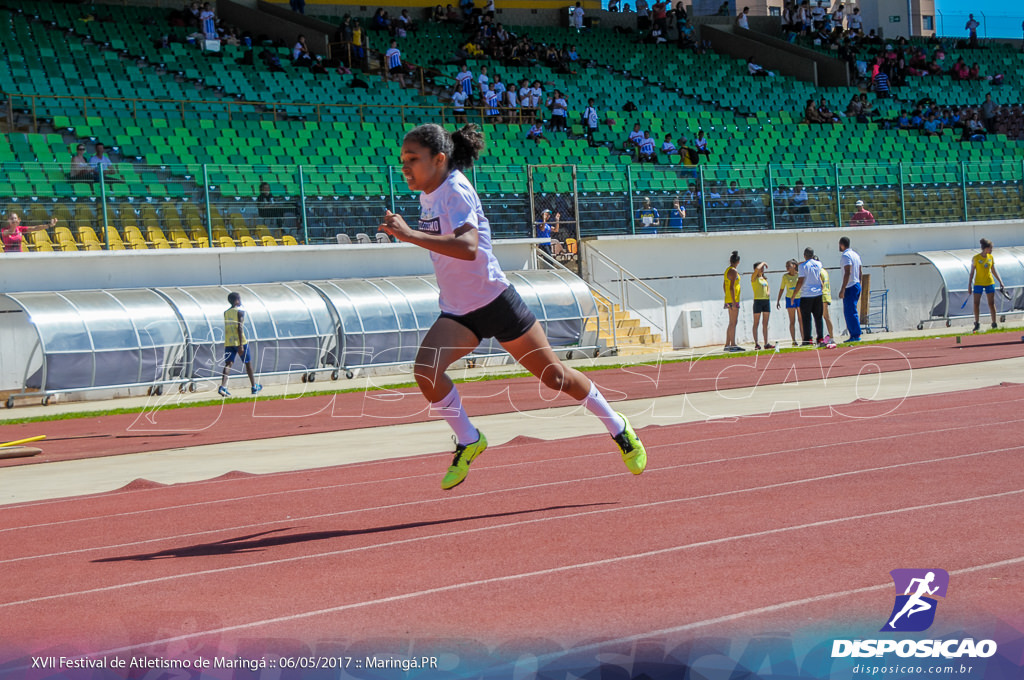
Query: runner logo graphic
x=914 y=610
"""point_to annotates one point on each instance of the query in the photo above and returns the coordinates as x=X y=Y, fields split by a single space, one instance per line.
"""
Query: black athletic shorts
x=762 y=306
x=505 y=318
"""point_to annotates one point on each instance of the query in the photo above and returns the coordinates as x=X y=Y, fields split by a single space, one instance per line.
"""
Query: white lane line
x=566 y=568
x=652 y=504
x=494 y=467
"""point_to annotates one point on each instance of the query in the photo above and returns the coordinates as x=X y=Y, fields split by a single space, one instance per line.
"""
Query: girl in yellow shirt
x=731 y=287
x=762 y=302
x=984 y=275
x=788 y=288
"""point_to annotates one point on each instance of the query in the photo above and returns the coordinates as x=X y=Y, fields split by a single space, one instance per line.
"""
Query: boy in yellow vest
x=235 y=344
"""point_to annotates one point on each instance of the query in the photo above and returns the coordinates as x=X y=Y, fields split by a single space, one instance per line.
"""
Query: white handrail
x=627 y=281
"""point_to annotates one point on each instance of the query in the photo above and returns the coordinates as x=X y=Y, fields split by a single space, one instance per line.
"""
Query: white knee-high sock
x=599 y=406
x=450 y=408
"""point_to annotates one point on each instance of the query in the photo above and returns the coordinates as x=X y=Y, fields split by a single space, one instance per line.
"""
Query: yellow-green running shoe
x=633 y=453
x=464 y=455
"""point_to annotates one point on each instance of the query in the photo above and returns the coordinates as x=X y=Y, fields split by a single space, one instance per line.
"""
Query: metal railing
x=624 y=288
x=315 y=204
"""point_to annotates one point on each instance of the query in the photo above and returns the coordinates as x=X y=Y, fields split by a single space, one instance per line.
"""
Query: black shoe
x=977 y=326
x=995 y=325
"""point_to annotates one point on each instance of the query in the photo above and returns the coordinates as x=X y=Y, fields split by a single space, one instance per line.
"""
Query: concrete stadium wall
x=227 y=266
x=687 y=269
x=742 y=44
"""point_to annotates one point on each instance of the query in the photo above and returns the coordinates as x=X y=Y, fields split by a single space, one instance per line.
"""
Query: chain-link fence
x=141 y=206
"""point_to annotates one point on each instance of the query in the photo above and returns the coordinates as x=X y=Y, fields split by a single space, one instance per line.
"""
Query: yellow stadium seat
x=289 y=240
x=248 y=242
x=269 y=240
x=183 y=243
x=226 y=242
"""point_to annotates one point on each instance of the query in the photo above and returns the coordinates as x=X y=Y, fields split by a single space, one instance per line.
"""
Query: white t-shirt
x=459 y=100
x=482 y=81
x=854 y=22
x=742 y=22
x=851 y=258
x=536 y=94
x=465 y=285
x=810 y=270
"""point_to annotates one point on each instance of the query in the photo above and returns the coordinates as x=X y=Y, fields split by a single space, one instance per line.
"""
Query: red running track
x=159 y=429
x=784 y=523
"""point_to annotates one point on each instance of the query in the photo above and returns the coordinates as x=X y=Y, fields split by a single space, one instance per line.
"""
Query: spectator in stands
x=757 y=71
x=679 y=15
x=931 y=127
x=545 y=229
x=818 y=13
x=668 y=148
x=576 y=18
x=81 y=171
x=742 y=21
x=972 y=29
x=974 y=130
x=825 y=114
x=854 y=22
x=700 y=144
x=811 y=113
x=459 y=104
x=101 y=164
x=959 y=70
x=648 y=154
x=798 y=203
x=14 y=230
x=491 y=102
x=613 y=6
x=643 y=19
x=559 y=108
x=301 y=56
x=465 y=80
x=988 y=112
x=633 y=143
x=780 y=201
x=452 y=15
x=208 y=22
x=880 y=84
x=536 y=132
x=648 y=217
x=393 y=59
x=404 y=24
x=590 y=122
x=723 y=9
x=839 y=18
x=677 y=217
x=863 y=216
x=511 y=103
x=659 y=15
x=268 y=208
x=437 y=16
x=854 y=110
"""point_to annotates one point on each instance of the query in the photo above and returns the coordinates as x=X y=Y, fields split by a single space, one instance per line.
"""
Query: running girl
x=762 y=302
x=476 y=299
x=788 y=288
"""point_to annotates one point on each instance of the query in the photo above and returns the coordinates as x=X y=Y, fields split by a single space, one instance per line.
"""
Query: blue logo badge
x=914 y=610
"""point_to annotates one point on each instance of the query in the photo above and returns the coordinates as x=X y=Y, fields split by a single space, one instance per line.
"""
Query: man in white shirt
x=808 y=287
x=741 y=19
x=972 y=28
x=590 y=120
x=850 y=292
x=855 y=21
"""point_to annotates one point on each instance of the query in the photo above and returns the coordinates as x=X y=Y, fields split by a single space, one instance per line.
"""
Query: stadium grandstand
x=134 y=127
x=194 y=126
